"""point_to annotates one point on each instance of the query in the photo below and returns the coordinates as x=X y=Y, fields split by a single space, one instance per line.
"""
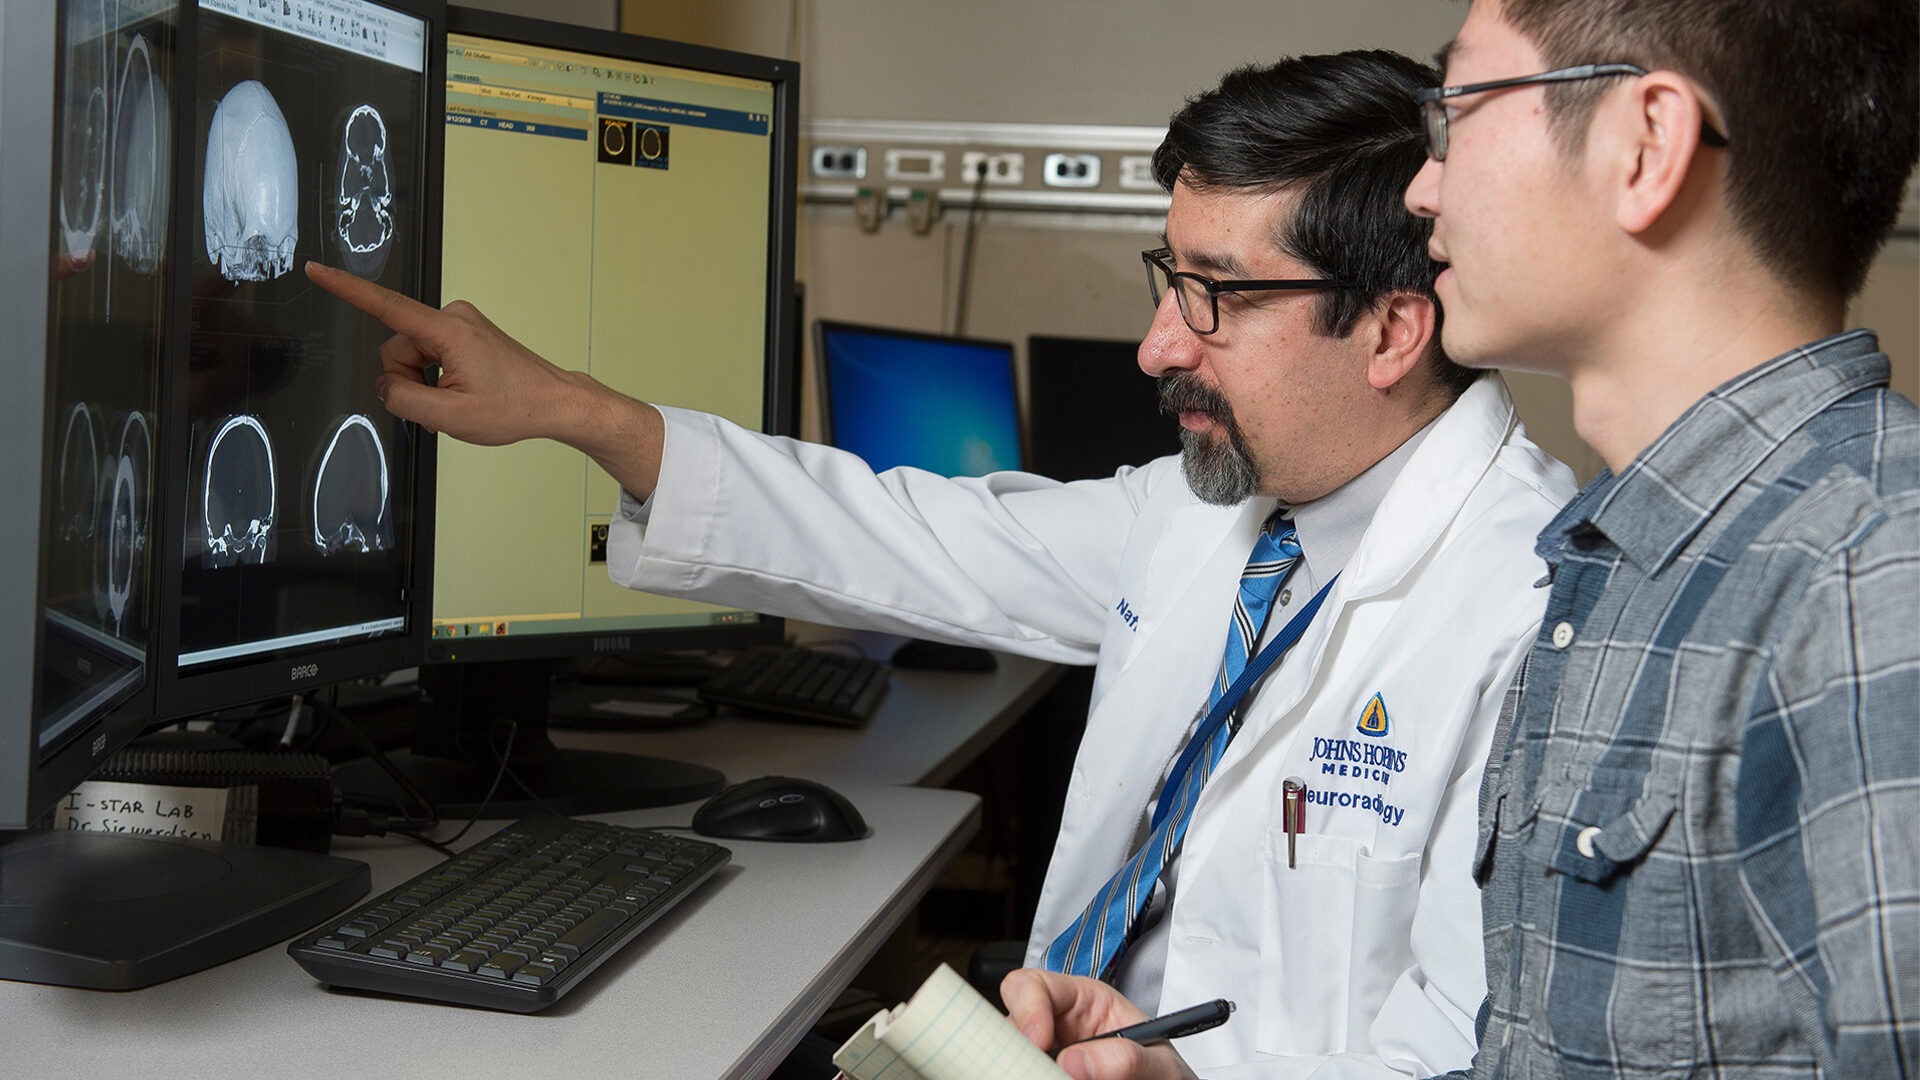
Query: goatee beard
x=1218 y=468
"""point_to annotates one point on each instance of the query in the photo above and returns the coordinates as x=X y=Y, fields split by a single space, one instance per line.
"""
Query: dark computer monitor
x=625 y=207
x=1090 y=409
x=931 y=401
x=132 y=359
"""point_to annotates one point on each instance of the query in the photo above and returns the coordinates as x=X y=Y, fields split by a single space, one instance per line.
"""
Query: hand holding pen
x=1174 y=1025
x=1086 y=1019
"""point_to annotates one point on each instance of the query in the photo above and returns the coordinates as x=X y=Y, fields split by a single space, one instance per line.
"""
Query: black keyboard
x=800 y=683
x=517 y=920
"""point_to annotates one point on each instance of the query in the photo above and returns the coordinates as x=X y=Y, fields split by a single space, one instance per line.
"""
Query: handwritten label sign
x=186 y=813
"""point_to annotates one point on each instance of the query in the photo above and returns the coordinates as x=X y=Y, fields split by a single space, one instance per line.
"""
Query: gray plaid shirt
x=1700 y=846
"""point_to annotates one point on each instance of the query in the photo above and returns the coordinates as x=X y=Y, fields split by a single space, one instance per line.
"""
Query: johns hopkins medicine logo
x=1346 y=764
x=1373 y=718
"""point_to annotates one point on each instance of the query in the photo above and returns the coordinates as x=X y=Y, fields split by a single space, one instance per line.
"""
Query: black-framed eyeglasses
x=1199 y=297
x=1433 y=112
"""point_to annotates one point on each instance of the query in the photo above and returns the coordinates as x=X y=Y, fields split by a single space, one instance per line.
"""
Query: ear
x=1653 y=130
x=1404 y=324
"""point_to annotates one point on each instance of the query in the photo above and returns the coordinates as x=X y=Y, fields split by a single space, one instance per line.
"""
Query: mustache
x=1183 y=391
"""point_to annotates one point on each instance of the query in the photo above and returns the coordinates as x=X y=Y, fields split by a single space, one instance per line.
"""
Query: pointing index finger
x=401 y=313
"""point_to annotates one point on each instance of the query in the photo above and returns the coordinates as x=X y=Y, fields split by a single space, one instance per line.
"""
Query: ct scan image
x=124 y=553
x=84 y=134
x=239 y=495
x=142 y=160
x=363 y=201
x=351 y=490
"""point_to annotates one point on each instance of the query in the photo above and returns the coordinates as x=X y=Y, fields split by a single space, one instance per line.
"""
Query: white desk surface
x=929 y=726
x=719 y=987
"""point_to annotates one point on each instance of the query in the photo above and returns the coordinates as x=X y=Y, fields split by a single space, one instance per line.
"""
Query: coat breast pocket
x=1337 y=921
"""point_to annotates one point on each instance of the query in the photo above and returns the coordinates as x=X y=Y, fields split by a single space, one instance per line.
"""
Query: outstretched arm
x=493 y=390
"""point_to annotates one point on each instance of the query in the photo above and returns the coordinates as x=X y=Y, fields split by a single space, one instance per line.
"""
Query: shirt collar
x=1332 y=525
x=1666 y=495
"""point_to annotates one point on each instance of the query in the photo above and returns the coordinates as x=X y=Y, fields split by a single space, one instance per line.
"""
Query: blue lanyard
x=1225 y=707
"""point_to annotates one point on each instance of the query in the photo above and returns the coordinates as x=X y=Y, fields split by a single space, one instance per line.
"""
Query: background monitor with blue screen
x=930 y=401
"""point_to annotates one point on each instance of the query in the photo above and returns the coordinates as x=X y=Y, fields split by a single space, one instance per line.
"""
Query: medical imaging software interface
x=947 y=405
x=111 y=176
x=614 y=216
x=309 y=120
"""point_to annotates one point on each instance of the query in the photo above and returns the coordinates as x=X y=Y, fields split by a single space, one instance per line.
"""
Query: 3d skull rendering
x=240 y=496
x=364 y=224
x=251 y=191
x=350 y=490
x=142 y=161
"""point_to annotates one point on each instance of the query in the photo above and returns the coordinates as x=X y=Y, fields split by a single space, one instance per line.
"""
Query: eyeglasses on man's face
x=1199 y=297
x=1433 y=109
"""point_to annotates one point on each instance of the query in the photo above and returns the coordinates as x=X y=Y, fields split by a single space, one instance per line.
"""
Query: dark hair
x=1818 y=98
x=1343 y=131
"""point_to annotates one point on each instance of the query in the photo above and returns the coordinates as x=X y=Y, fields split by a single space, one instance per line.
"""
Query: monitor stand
x=463 y=729
x=113 y=912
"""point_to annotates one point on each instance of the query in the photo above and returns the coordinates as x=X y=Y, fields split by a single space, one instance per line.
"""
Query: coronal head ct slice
x=239 y=497
x=84 y=134
x=80 y=474
x=142 y=161
x=364 y=224
x=127 y=518
x=350 y=490
x=251 y=191
x=121 y=552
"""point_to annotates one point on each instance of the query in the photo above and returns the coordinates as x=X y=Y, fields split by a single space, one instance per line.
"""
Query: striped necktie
x=1094 y=941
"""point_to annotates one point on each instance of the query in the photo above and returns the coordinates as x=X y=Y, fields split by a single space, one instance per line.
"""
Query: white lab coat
x=1365 y=956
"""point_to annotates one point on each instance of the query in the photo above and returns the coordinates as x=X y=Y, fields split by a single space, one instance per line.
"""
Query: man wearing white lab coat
x=1295 y=338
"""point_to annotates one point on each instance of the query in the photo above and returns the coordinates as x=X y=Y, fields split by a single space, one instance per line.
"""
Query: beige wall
x=1118 y=62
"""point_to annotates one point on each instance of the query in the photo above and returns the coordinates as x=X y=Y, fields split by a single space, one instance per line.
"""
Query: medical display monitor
x=931 y=401
x=624 y=206
x=85 y=304
x=291 y=560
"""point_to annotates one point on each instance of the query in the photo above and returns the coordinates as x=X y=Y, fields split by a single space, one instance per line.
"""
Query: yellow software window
x=613 y=216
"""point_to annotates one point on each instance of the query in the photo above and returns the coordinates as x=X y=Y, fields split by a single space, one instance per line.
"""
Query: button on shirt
x=1698 y=851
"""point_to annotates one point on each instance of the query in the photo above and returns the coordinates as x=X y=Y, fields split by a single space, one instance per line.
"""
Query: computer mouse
x=779 y=808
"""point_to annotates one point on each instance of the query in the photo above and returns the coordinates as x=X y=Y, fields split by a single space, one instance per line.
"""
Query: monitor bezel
x=824 y=328
x=780 y=409
x=285 y=672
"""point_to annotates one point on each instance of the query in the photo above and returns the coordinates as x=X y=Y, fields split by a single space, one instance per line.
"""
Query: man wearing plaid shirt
x=1699 y=843
x=1700 y=828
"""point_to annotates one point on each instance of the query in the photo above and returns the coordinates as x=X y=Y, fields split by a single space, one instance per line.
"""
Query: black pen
x=1174 y=1025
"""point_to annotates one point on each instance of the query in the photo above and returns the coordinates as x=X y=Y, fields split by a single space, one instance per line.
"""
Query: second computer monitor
x=931 y=401
x=1091 y=408
x=623 y=206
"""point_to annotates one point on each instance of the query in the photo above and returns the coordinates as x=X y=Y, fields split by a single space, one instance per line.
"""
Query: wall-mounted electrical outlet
x=1071 y=170
x=840 y=162
x=1136 y=173
x=917 y=166
x=1000 y=168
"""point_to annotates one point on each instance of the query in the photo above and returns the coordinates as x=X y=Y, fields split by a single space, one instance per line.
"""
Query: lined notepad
x=946 y=1031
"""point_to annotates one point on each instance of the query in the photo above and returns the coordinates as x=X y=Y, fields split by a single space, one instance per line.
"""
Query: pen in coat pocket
x=1293 y=812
